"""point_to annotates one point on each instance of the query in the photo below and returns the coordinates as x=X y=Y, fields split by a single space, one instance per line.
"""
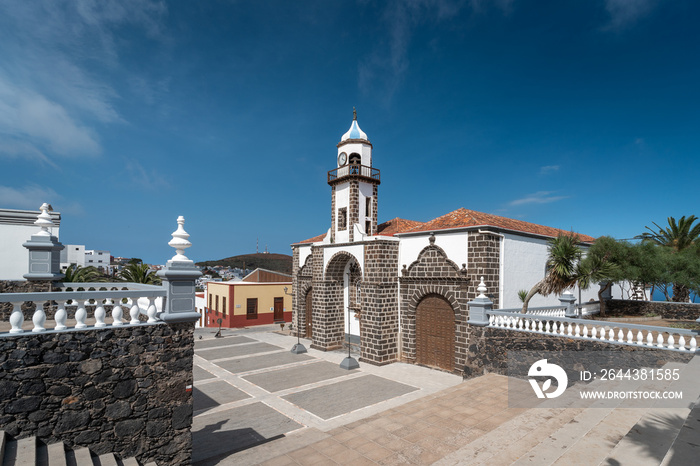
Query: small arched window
x=355 y=159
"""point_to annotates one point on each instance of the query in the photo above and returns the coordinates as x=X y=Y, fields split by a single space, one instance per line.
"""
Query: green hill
x=276 y=262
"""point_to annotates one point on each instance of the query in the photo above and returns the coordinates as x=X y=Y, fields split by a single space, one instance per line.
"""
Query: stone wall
x=489 y=347
x=665 y=309
x=379 y=303
x=483 y=251
x=121 y=390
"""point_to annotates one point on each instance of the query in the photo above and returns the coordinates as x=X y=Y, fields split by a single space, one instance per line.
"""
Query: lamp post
x=298 y=348
x=350 y=363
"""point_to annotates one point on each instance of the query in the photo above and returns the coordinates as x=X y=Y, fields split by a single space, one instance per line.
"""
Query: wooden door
x=309 y=296
x=278 y=310
x=435 y=333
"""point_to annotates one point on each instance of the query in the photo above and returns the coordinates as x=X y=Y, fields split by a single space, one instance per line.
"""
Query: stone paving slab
x=225 y=341
x=216 y=393
x=349 y=395
x=238 y=350
x=276 y=380
x=201 y=374
x=220 y=434
x=237 y=366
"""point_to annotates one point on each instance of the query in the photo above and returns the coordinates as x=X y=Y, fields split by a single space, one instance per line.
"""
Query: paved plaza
x=257 y=403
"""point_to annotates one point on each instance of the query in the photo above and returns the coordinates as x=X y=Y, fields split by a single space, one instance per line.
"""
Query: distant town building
x=262 y=297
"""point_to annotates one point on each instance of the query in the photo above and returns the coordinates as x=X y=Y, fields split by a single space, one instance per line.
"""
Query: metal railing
x=353 y=170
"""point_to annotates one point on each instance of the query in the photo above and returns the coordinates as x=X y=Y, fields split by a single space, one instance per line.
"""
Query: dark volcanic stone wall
x=667 y=310
x=121 y=390
x=489 y=347
x=8 y=286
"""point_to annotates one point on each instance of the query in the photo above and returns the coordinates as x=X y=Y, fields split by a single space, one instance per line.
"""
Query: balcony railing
x=353 y=170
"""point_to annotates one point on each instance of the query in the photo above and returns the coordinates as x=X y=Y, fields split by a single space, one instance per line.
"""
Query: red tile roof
x=462 y=218
x=396 y=225
x=314 y=239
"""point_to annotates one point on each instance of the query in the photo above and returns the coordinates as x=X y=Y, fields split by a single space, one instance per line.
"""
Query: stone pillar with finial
x=179 y=276
x=44 y=250
x=479 y=306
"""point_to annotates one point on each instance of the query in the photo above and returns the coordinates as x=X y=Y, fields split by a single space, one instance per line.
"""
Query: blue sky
x=124 y=114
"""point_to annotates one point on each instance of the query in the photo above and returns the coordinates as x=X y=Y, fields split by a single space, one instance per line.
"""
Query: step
x=82 y=456
x=26 y=452
x=107 y=459
x=651 y=439
x=589 y=436
x=3 y=439
x=57 y=454
x=130 y=462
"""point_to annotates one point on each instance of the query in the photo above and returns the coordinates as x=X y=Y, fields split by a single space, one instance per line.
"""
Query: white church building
x=401 y=288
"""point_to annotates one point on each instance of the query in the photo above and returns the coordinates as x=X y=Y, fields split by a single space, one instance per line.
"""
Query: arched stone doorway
x=435 y=333
x=308 y=314
x=332 y=323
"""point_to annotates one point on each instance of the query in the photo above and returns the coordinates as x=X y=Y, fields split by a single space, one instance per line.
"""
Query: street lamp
x=350 y=363
x=298 y=348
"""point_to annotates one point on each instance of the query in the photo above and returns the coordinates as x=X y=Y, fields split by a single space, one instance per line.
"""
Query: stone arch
x=336 y=265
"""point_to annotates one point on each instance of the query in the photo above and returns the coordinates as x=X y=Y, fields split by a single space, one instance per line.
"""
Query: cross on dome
x=354 y=132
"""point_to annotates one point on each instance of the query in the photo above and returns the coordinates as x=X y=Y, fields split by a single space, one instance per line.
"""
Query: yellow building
x=260 y=298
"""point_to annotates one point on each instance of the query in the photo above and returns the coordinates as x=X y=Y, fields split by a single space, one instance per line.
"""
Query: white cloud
x=540 y=197
x=30 y=197
x=548 y=169
x=58 y=56
x=624 y=13
x=146 y=179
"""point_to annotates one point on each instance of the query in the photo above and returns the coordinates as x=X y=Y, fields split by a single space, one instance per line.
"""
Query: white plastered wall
x=454 y=245
x=342 y=200
x=14 y=258
x=523 y=264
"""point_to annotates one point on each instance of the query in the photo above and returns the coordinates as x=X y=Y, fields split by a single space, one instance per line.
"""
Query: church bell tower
x=353 y=185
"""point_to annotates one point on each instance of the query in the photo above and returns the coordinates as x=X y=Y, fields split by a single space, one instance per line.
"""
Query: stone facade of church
x=400 y=289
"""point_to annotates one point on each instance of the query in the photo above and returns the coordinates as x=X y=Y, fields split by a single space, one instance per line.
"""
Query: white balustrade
x=81 y=305
x=608 y=332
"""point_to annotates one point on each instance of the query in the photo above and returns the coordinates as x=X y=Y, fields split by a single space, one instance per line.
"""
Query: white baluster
x=640 y=338
x=134 y=311
x=611 y=335
x=671 y=342
x=693 y=344
x=539 y=325
x=630 y=336
x=16 y=318
x=594 y=332
x=117 y=313
x=549 y=326
x=569 y=329
x=61 y=316
x=585 y=331
x=620 y=335
x=681 y=343
x=100 y=314
x=650 y=340
x=39 y=318
x=660 y=341
x=81 y=314
x=578 y=330
x=492 y=320
x=152 y=310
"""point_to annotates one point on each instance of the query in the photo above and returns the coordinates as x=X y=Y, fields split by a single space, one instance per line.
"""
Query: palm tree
x=564 y=255
x=79 y=274
x=677 y=237
x=138 y=272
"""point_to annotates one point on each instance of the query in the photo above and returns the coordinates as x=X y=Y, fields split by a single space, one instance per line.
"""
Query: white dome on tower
x=354 y=132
